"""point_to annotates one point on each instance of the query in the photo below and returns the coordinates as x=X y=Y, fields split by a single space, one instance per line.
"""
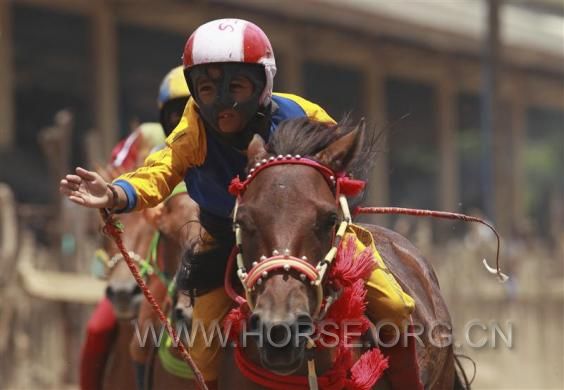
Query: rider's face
x=240 y=88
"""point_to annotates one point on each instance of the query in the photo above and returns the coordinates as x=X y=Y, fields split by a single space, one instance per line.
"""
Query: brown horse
x=124 y=294
x=291 y=208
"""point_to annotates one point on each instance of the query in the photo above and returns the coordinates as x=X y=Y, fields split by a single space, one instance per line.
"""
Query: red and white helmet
x=232 y=40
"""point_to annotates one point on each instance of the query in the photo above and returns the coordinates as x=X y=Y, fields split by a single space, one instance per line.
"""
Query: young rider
x=229 y=66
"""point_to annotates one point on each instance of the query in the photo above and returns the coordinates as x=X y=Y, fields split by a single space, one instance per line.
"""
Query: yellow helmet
x=173 y=86
x=173 y=96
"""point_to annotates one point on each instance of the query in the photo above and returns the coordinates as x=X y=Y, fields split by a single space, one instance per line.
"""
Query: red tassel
x=367 y=370
x=351 y=187
x=347 y=268
x=236 y=186
x=349 y=309
x=233 y=323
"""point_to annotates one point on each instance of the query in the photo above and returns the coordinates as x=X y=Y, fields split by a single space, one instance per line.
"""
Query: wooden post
x=518 y=140
x=106 y=73
x=6 y=77
x=489 y=103
x=378 y=192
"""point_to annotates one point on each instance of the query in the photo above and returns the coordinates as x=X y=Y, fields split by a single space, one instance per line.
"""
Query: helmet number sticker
x=226 y=26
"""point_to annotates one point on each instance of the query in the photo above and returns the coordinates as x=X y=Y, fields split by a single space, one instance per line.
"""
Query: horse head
x=286 y=220
x=122 y=289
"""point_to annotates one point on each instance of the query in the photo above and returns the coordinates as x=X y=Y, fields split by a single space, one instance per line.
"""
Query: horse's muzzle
x=281 y=344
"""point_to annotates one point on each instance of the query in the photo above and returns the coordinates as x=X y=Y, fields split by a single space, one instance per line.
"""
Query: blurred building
x=412 y=67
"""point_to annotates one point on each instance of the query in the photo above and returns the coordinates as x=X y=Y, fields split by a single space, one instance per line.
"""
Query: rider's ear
x=340 y=153
x=256 y=150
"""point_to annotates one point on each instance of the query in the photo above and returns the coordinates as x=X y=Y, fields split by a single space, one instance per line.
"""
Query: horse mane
x=307 y=137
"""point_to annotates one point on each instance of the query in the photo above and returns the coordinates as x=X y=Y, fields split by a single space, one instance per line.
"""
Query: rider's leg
x=207 y=348
x=94 y=354
x=209 y=310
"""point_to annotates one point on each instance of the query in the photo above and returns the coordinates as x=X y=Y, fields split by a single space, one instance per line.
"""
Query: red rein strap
x=113 y=229
x=435 y=214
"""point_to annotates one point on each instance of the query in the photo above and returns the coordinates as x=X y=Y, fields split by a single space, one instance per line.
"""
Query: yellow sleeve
x=312 y=110
x=184 y=148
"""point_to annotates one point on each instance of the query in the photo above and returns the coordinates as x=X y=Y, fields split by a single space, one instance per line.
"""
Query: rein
x=113 y=228
x=444 y=215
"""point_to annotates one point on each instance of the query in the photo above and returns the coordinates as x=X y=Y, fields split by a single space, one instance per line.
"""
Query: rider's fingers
x=86 y=175
x=70 y=185
x=73 y=179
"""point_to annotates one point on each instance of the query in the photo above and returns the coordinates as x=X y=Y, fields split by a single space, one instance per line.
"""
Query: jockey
x=126 y=156
x=229 y=67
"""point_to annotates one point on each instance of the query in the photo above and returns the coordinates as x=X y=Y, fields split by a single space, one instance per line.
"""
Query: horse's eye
x=246 y=224
x=327 y=222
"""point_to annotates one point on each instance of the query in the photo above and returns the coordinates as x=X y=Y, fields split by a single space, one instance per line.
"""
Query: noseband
x=340 y=184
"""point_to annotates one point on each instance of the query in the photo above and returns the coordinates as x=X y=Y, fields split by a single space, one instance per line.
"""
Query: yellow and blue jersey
x=206 y=165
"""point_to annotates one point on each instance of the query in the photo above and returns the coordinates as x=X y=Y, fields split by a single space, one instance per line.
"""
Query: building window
x=544 y=159
x=413 y=140
x=338 y=89
x=52 y=70
x=145 y=57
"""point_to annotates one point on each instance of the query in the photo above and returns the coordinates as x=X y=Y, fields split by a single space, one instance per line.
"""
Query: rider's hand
x=87 y=189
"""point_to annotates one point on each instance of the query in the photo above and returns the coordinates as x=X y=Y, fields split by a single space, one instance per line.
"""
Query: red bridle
x=342 y=186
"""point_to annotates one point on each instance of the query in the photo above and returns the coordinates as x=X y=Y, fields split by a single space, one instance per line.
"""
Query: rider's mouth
x=227 y=114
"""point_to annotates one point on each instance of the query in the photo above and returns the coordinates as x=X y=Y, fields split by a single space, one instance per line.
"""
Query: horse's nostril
x=136 y=290
x=254 y=323
x=280 y=335
x=178 y=314
x=305 y=324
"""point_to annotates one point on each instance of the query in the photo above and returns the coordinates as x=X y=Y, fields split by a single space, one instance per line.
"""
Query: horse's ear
x=340 y=153
x=256 y=150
